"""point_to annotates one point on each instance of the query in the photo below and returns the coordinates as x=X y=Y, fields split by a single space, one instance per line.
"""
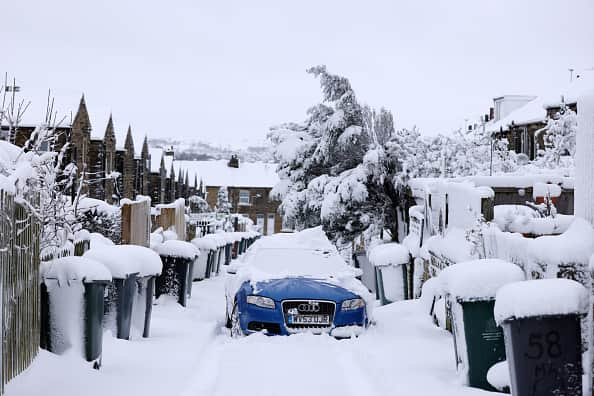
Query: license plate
x=309 y=319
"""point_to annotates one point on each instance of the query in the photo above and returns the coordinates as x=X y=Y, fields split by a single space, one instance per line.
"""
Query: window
x=244 y=197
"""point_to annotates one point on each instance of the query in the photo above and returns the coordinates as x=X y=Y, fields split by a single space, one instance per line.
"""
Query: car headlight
x=263 y=302
x=355 y=303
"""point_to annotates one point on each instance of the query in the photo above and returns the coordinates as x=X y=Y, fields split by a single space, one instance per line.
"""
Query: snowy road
x=190 y=354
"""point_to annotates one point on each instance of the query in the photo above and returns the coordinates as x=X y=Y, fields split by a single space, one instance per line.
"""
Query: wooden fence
x=136 y=222
x=172 y=215
x=19 y=286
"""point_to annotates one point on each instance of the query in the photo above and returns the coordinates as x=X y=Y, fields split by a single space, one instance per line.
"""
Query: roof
x=155 y=154
x=531 y=112
x=217 y=173
x=535 y=110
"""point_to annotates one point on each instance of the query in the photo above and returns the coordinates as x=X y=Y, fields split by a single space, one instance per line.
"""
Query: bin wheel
x=236 y=331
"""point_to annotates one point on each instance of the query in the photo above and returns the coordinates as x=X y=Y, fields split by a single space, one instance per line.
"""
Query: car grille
x=325 y=308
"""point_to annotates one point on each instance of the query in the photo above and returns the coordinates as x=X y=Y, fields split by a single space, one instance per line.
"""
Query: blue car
x=290 y=289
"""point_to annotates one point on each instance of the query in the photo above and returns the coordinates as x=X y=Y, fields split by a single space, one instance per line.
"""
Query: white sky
x=224 y=71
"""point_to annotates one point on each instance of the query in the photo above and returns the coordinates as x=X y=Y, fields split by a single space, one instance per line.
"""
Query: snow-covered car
x=290 y=283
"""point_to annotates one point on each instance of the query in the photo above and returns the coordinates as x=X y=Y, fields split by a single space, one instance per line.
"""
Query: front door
x=270 y=224
x=260 y=222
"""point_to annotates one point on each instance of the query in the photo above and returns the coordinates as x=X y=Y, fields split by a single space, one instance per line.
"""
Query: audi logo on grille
x=311 y=307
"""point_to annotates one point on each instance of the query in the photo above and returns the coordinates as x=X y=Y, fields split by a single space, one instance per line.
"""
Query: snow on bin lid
x=479 y=279
x=389 y=254
x=204 y=243
x=539 y=298
x=123 y=260
x=216 y=238
x=74 y=268
x=174 y=248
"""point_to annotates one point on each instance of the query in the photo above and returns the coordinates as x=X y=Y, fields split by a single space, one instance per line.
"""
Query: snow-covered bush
x=559 y=138
x=100 y=217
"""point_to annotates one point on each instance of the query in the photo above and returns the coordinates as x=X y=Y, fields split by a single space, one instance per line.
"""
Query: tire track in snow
x=206 y=372
x=357 y=380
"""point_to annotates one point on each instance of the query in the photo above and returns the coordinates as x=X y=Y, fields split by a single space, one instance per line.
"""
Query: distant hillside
x=200 y=151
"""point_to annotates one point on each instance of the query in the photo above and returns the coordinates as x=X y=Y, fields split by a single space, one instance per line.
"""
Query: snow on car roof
x=307 y=254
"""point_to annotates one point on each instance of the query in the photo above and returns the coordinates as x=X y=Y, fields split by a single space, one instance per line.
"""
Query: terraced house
x=108 y=170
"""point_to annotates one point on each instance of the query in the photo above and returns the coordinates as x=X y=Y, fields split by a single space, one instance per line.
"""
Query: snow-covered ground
x=189 y=353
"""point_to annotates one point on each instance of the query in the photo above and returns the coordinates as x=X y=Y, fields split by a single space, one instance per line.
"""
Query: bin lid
x=204 y=243
x=389 y=254
x=125 y=260
x=478 y=279
x=72 y=268
x=180 y=249
x=542 y=297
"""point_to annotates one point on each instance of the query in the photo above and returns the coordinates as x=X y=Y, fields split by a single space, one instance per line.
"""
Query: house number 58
x=538 y=345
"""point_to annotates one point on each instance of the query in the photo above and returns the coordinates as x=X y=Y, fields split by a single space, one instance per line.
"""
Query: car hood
x=302 y=288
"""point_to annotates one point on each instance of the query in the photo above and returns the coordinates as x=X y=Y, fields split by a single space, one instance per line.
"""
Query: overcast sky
x=224 y=71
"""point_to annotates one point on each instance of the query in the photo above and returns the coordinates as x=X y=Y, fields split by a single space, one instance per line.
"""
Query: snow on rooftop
x=217 y=173
x=540 y=297
x=535 y=110
x=531 y=112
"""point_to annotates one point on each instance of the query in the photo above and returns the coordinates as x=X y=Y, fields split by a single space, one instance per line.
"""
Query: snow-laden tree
x=559 y=138
x=333 y=139
x=53 y=179
x=198 y=204
x=223 y=204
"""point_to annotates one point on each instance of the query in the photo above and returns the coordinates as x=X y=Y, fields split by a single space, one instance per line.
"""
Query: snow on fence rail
x=19 y=277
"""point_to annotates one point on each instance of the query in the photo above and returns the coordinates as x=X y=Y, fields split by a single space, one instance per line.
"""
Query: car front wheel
x=236 y=331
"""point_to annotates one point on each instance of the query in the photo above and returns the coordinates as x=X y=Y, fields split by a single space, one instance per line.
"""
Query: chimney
x=169 y=151
x=233 y=162
x=491 y=113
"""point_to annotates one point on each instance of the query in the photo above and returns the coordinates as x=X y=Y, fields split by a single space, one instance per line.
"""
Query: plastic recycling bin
x=119 y=301
x=368 y=278
x=173 y=280
x=143 y=306
x=541 y=320
x=392 y=283
x=484 y=341
x=235 y=250
x=228 y=249
x=219 y=258
x=470 y=289
x=190 y=277
x=72 y=309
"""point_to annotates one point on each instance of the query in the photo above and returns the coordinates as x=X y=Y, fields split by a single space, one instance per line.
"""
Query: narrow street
x=190 y=353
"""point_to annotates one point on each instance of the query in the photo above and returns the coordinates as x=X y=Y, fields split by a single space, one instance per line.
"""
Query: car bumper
x=272 y=322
